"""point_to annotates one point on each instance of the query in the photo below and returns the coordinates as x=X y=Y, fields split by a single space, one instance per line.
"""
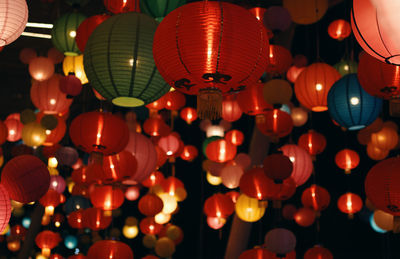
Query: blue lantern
x=350 y=106
x=70 y=242
x=75 y=203
x=26 y=222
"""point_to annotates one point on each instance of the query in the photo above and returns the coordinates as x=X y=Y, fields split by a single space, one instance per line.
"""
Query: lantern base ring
x=126 y=101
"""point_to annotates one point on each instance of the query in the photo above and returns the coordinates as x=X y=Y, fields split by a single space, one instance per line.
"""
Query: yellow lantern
x=169 y=202
x=213 y=180
x=383 y=220
x=249 y=209
x=162 y=218
x=74 y=64
x=130 y=232
x=40 y=256
x=53 y=171
x=149 y=241
x=33 y=134
x=277 y=91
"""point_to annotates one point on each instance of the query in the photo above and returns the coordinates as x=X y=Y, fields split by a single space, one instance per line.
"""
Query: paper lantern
x=99 y=132
x=131 y=78
x=119 y=167
x=339 y=29
x=63 y=33
x=159 y=10
x=313 y=84
x=215 y=222
x=41 y=68
x=158 y=104
x=51 y=199
x=230 y=176
x=347 y=159
x=14 y=127
x=170 y=184
x=376 y=153
x=305 y=217
x=299 y=116
x=55 y=135
x=313 y=142
x=149 y=227
x=26 y=178
x=70 y=85
x=33 y=134
x=130 y=232
x=235 y=137
x=67 y=156
x=132 y=193
x=204 y=74
x=55 y=55
x=189 y=153
x=122 y=6
x=14 y=17
x=318 y=252
x=316 y=197
x=383 y=220
x=96 y=219
x=107 y=197
x=188 y=114
x=73 y=65
x=277 y=166
x=280 y=59
x=75 y=219
x=249 y=209
x=86 y=28
x=345 y=67
x=385 y=139
x=57 y=183
x=5 y=208
x=286 y=190
x=277 y=92
x=251 y=100
x=155 y=126
x=174 y=100
x=293 y=73
x=47 y=240
x=169 y=144
x=150 y=205
x=26 y=55
x=220 y=151
x=350 y=106
x=106 y=249
x=231 y=110
x=76 y=203
x=155 y=178
x=255 y=184
x=306 y=12
x=280 y=241
x=165 y=247
x=218 y=205
x=349 y=203
x=275 y=123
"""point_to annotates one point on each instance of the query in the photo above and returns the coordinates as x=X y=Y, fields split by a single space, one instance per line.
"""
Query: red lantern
x=315 y=197
x=18 y=231
x=119 y=167
x=220 y=151
x=258 y=12
x=96 y=219
x=313 y=142
x=55 y=135
x=202 y=68
x=86 y=28
x=218 y=205
x=153 y=179
x=158 y=104
x=313 y=84
x=47 y=96
x=155 y=126
x=275 y=123
x=170 y=184
x=150 y=205
x=26 y=178
x=169 y=144
x=51 y=198
x=293 y=73
x=255 y=184
x=286 y=190
x=14 y=127
x=302 y=163
x=305 y=217
x=56 y=256
x=189 y=153
x=70 y=85
x=235 y=137
x=75 y=219
x=174 y=100
x=188 y=114
x=347 y=159
x=216 y=222
x=339 y=29
x=5 y=205
x=251 y=100
x=41 y=68
x=107 y=197
x=230 y=109
x=122 y=6
x=280 y=59
x=79 y=175
x=3 y=132
x=78 y=256
x=262 y=253
x=349 y=203
x=277 y=167
x=47 y=240
x=149 y=227
x=382 y=186
x=99 y=132
x=318 y=252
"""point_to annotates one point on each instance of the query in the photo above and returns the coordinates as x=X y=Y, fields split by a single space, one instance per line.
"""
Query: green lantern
x=64 y=32
x=345 y=67
x=159 y=8
x=119 y=62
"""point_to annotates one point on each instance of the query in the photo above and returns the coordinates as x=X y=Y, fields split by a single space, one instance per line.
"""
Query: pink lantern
x=169 y=144
x=14 y=127
x=41 y=68
x=230 y=109
x=13 y=19
x=216 y=222
x=132 y=193
x=302 y=163
x=5 y=208
x=57 y=183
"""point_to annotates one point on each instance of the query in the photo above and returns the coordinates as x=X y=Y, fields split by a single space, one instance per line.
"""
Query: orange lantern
x=189 y=153
x=218 y=205
x=339 y=29
x=50 y=200
x=230 y=175
x=107 y=197
x=14 y=127
x=170 y=184
x=299 y=116
x=315 y=197
x=306 y=11
x=155 y=126
x=385 y=139
x=231 y=110
x=154 y=178
x=132 y=193
x=313 y=142
x=96 y=219
x=220 y=151
x=189 y=114
x=235 y=137
x=293 y=73
x=347 y=159
x=251 y=100
x=376 y=153
x=349 y=203
x=148 y=226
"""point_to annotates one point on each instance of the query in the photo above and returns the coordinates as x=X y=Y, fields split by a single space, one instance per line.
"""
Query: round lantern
x=315 y=197
x=64 y=32
x=75 y=203
x=302 y=163
x=55 y=135
x=122 y=6
x=119 y=167
x=313 y=84
x=55 y=55
x=189 y=153
x=73 y=65
x=255 y=184
x=231 y=110
x=155 y=178
x=75 y=219
x=275 y=123
x=41 y=68
x=131 y=79
x=14 y=127
x=306 y=12
x=280 y=241
x=165 y=247
x=106 y=249
x=318 y=252
x=383 y=220
x=385 y=139
x=347 y=159
x=86 y=28
x=150 y=205
x=169 y=144
x=70 y=85
x=376 y=153
x=339 y=29
x=174 y=100
x=299 y=116
x=33 y=134
x=288 y=211
x=346 y=67
x=5 y=205
x=188 y=114
x=96 y=219
x=220 y=151
x=51 y=199
x=293 y=73
x=349 y=203
x=149 y=227
x=47 y=240
x=57 y=183
x=251 y=100
x=218 y=205
x=67 y=156
x=304 y=217
x=155 y=126
x=382 y=186
x=99 y=132
x=350 y=106
x=277 y=167
x=280 y=59
x=216 y=222
x=158 y=104
x=313 y=142
x=14 y=16
x=107 y=197
x=132 y=193
x=277 y=18
x=235 y=137
x=277 y=92
x=205 y=73
x=26 y=178
x=159 y=10
x=249 y=209
x=230 y=176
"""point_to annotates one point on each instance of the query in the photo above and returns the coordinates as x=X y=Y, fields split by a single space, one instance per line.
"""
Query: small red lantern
x=150 y=205
x=120 y=167
x=347 y=159
x=315 y=197
x=189 y=153
x=96 y=219
x=47 y=240
x=158 y=104
x=275 y=123
x=149 y=227
x=286 y=190
x=174 y=100
x=155 y=126
x=41 y=68
x=107 y=197
x=75 y=219
x=318 y=252
x=189 y=114
x=132 y=193
x=349 y=203
x=154 y=178
x=169 y=144
x=231 y=110
x=14 y=127
x=251 y=100
x=70 y=85
x=302 y=163
x=278 y=167
x=313 y=142
x=305 y=217
x=86 y=28
x=235 y=137
x=51 y=198
x=122 y=6
x=170 y=184
x=218 y=205
x=220 y=151
x=55 y=135
x=5 y=205
x=280 y=59
x=262 y=253
x=339 y=29
x=255 y=184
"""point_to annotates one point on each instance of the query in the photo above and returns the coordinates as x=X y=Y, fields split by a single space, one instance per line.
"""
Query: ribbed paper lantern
x=5 y=208
x=218 y=205
x=302 y=163
x=119 y=167
x=347 y=159
x=106 y=249
x=64 y=32
x=313 y=84
x=313 y=142
x=305 y=217
x=47 y=240
x=14 y=127
x=280 y=59
x=339 y=29
x=316 y=197
x=99 y=132
x=86 y=28
x=251 y=100
x=318 y=252
x=220 y=151
x=231 y=110
x=223 y=36
x=349 y=203
x=249 y=209
x=345 y=67
x=14 y=16
x=277 y=91
x=150 y=205
x=277 y=18
x=67 y=156
x=122 y=6
x=74 y=65
x=125 y=75
x=107 y=197
x=350 y=106
x=255 y=184
x=159 y=10
x=277 y=166
x=280 y=241
x=286 y=190
x=306 y=12
x=96 y=219
x=41 y=68
x=275 y=123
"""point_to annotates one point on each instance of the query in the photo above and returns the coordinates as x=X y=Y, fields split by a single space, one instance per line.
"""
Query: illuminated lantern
x=14 y=127
x=131 y=79
x=220 y=151
x=288 y=211
x=169 y=144
x=255 y=253
x=249 y=209
x=277 y=167
x=255 y=184
x=130 y=232
x=73 y=65
x=213 y=179
x=56 y=256
x=286 y=190
x=299 y=116
x=5 y=204
x=277 y=92
x=99 y=132
x=174 y=100
x=315 y=197
x=57 y=183
x=86 y=28
x=350 y=106
x=164 y=247
x=158 y=104
x=383 y=220
x=75 y=203
x=318 y=252
x=349 y=203
x=132 y=193
x=235 y=137
x=77 y=256
x=209 y=77
x=339 y=29
x=189 y=153
x=386 y=139
x=159 y=10
x=55 y=135
x=313 y=142
x=304 y=217
x=47 y=240
x=258 y=12
x=50 y=200
x=96 y=219
x=376 y=153
x=155 y=126
x=251 y=100
x=275 y=123
x=26 y=178
x=107 y=249
x=188 y=114
x=347 y=159
x=216 y=222
x=280 y=59
x=218 y=205
x=170 y=203
x=120 y=166
x=122 y=6
x=150 y=205
x=231 y=110
x=13 y=20
x=154 y=178
x=107 y=197
x=75 y=219
x=313 y=84
x=70 y=85
x=215 y=131
x=149 y=227
x=346 y=67
x=41 y=68
x=280 y=241
x=26 y=55
x=306 y=12
x=170 y=184
x=230 y=176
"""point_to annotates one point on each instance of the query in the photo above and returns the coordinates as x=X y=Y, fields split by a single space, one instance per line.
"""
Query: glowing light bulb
x=318 y=87
x=354 y=101
x=52 y=101
x=72 y=34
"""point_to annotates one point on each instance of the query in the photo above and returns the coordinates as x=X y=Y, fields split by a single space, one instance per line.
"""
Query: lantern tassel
x=209 y=103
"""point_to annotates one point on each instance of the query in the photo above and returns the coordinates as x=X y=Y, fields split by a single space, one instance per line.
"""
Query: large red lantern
x=5 y=208
x=150 y=205
x=215 y=63
x=313 y=142
x=218 y=205
x=119 y=167
x=318 y=252
x=109 y=249
x=255 y=184
x=231 y=110
x=349 y=203
x=174 y=100
x=347 y=159
x=315 y=197
x=14 y=127
x=86 y=28
x=122 y=6
x=47 y=240
x=107 y=197
x=275 y=123
x=280 y=59
x=96 y=219
x=220 y=151
x=99 y=132
x=278 y=166
x=251 y=100
x=302 y=163
x=339 y=29
x=26 y=178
